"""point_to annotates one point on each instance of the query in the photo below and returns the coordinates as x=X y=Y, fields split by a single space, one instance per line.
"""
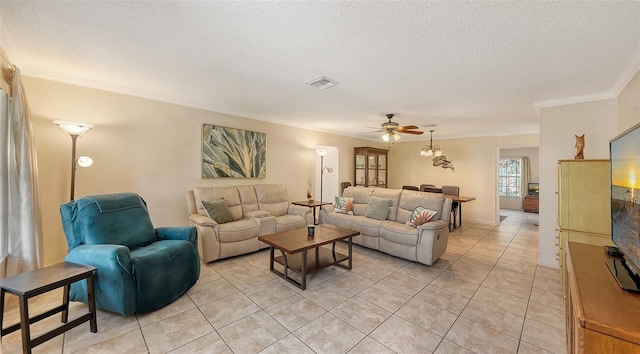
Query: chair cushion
x=399 y=233
x=218 y=211
x=239 y=230
x=289 y=222
x=156 y=288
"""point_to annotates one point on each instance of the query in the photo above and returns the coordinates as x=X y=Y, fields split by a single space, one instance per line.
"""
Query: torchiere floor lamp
x=75 y=129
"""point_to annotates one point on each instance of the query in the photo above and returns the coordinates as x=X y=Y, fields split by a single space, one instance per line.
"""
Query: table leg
x=2 y=292
x=314 y=216
x=271 y=250
x=350 y=252
x=303 y=281
x=460 y=214
x=65 y=303
x=91 y=299
x=24 y=324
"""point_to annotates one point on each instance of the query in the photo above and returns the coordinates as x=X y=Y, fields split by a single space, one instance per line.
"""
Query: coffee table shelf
x=323 y=258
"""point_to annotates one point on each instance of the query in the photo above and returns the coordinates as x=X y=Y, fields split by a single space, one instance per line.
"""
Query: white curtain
x=525 y=178
x=20 y=223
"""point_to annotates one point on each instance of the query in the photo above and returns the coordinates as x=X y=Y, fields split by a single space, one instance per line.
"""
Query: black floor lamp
x=322 y=154
x=75 y=129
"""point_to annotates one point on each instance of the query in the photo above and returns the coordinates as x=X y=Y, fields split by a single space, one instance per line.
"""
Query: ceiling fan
x=391 y=129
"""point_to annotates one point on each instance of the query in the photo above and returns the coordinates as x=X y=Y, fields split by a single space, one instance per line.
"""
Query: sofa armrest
x=102 y=256
x=299 y=210
x=201 y=220
x=186 y=233
x=114 y=285
x=328 y=208
x=434 y=225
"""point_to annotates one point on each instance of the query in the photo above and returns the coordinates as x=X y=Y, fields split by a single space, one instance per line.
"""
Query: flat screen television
x=533 y=188
x=624 y=153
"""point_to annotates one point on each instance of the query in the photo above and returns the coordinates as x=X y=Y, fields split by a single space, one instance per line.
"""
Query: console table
x=601 y=317
x=313 y=204
x=39 y=281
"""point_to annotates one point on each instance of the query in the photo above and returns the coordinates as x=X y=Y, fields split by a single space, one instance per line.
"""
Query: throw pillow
x=378 y=208
x=420 y=216
x=218 y=210
x=344 y=205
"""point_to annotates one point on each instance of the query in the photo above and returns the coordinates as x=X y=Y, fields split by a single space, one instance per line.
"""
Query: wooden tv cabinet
x=600 y=316
x=531 y=203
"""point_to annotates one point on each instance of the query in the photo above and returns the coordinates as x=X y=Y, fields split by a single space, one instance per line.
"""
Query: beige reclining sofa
x=423 y=244
x=259 y=209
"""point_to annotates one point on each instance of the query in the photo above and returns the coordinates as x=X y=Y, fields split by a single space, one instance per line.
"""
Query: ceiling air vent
x=321 y=82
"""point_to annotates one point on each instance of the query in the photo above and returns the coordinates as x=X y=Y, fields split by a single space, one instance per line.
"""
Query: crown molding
x=630 y=70
x=598 y=96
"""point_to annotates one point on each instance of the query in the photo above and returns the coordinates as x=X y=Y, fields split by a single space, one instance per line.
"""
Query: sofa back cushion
x=119 y=219
x=391 y=194
x=410 y=199
x=248 y=198
x=209 y=194
x=360 y=197
x=273 y=198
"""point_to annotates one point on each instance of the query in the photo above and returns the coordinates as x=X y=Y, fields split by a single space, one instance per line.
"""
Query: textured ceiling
x=471 y=68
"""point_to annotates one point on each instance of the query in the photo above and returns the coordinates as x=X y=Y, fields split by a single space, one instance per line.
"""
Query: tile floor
x=485 y=295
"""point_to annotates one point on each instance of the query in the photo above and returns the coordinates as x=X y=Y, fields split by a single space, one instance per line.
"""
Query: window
x=509 y=177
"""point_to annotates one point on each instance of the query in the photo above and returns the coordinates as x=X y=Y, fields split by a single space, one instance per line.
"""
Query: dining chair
x=411 y=188
x=424 y=186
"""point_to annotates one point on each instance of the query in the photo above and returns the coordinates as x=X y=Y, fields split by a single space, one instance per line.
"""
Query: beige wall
x=152 y=148
x=475 y=161
x=558 y=127
x=600 y=121
x=628 y=108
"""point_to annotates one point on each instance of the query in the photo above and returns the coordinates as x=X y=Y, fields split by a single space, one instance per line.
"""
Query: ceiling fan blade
x=407 y=127
x=414 y=132
x=374 y=131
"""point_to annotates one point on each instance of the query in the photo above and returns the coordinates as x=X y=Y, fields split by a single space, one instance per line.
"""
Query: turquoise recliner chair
x=140 y=269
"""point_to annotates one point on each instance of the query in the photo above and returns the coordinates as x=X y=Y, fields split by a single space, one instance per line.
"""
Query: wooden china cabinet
x=371 y=167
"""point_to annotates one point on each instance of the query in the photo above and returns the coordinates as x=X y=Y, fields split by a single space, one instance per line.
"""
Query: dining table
x=457 y=211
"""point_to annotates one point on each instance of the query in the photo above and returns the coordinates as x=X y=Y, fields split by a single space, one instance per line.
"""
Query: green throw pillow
x=378 y=208
x=420 y=216
x=218 y=210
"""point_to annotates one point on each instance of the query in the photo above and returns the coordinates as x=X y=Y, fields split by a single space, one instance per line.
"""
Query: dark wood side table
x=313 y=205
x=39 y=281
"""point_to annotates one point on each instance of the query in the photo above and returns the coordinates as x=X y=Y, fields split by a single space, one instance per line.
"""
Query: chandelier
x=431 y=150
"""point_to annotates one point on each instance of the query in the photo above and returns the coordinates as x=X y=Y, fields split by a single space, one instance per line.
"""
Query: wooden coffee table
x=294 y=245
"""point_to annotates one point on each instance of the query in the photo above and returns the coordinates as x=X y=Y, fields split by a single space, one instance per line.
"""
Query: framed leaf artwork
x=230 y=152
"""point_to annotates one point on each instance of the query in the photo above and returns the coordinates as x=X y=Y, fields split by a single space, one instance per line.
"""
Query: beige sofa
x=423 y=244
x=259 y=209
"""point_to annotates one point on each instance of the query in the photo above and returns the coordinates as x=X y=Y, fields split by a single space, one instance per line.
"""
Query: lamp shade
x=85 y=161
x=73 y=128
x=322 y=153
